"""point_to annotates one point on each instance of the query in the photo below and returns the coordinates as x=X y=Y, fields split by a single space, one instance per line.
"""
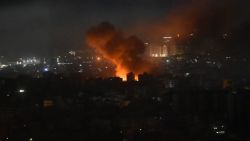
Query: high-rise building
x=167 y=46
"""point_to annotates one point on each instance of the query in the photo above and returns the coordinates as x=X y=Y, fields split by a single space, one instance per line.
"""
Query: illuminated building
x=72 y=53
x=28 y=61
x=148 y=49
x=165 y=49
x=48 y=103
x=167 y=46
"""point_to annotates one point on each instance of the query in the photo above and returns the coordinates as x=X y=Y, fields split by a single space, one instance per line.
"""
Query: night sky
x=49 y=27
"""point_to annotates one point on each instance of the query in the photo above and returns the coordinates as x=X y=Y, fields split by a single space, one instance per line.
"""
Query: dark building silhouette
x=130 y=77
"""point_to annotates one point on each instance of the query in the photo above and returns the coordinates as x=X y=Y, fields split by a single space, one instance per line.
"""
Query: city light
x=98 y=58
x=187 y=74
x=125 y=70
x=220 y=132
x=21 y=90
x=167 y=37
x=46 y=69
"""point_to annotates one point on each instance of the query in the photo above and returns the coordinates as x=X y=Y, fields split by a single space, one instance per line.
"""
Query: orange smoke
x=125 y=53
x=182 y=20
x=196 y=16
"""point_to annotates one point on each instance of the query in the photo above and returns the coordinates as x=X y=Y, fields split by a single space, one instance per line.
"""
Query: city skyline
x=124 y=70
x=31 y=28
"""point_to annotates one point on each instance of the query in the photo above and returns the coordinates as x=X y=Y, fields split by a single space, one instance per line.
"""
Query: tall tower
x=148 y=51
x=169 y=44
x=164 y=52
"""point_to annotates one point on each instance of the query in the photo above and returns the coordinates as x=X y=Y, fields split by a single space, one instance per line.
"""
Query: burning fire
x=125 y=53
x=121 y=72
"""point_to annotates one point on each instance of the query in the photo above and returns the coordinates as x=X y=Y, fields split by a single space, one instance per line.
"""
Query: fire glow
x=124 y=52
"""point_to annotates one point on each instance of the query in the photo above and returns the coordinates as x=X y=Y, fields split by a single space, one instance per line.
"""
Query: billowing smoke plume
x=125 y=52
x=198 y=16
x=208 y=20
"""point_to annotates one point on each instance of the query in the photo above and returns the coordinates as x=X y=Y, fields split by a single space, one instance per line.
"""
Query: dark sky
x=40 y=27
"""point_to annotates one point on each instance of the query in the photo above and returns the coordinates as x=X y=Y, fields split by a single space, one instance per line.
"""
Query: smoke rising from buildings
x=125 y=52
x=208 y=20
x=201 y=16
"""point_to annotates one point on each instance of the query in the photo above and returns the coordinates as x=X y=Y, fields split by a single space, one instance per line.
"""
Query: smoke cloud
x=125 y=52
x=207 y=20
x=198 y=16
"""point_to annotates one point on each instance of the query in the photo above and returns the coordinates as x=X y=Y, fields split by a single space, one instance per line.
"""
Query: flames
x=124 y=52
x=121 y=72
x=192 y=18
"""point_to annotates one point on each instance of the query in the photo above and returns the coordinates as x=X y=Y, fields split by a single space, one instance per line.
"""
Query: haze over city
x=124 y=70
x=49 y=27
